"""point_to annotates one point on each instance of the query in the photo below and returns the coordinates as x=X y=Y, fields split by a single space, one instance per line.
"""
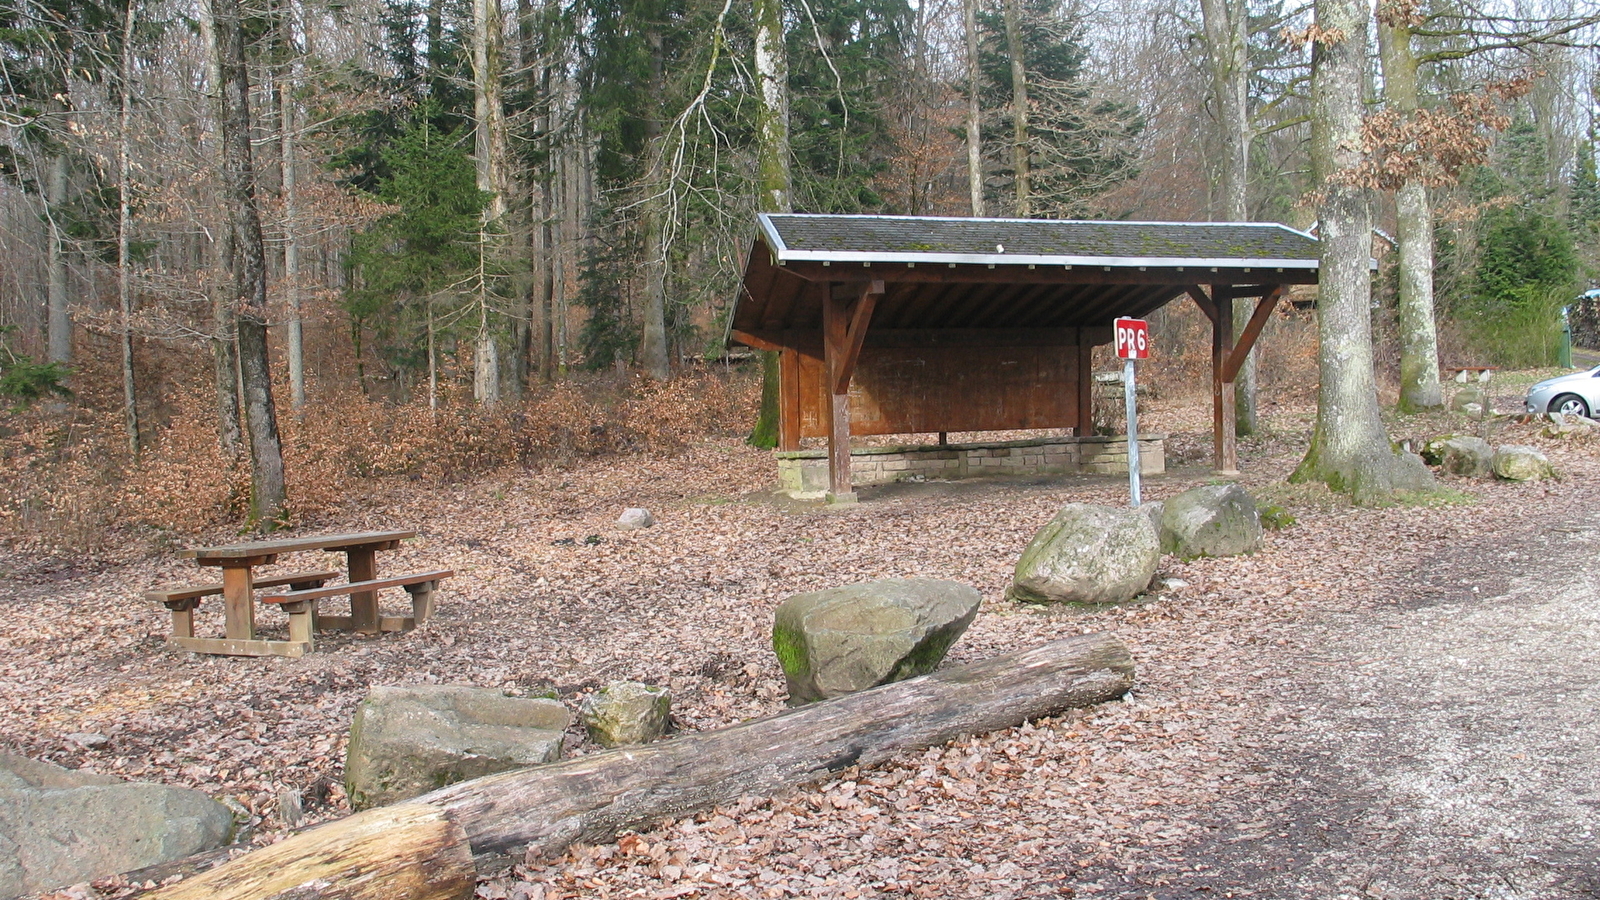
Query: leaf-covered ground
x=549 y=594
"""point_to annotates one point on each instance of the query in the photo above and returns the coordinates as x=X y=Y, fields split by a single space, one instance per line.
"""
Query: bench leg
x=183 y=617
x=421 y=600
x=300 y=620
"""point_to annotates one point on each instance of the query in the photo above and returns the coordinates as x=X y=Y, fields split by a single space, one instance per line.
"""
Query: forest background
x=423 y=227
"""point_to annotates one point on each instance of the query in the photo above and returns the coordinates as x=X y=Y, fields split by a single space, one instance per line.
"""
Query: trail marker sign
x=1132 y=338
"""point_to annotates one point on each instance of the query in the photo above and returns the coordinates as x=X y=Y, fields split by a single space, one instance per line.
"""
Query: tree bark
x=1349 y=450
x=490 y=151
x=247 y=265
x=1419 y=338
x=653 y=339
x=130 y=406
x=1227 y=44
x=542 y=810
x=58 y=327
x=969 y=11
x=289 y=145
x=1019 y=108
x=772 y=70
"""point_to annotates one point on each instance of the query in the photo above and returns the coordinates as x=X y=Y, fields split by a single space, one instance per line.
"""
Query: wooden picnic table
x=239 y=561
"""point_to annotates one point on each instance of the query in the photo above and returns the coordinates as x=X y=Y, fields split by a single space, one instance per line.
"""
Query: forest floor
x=1393 y=702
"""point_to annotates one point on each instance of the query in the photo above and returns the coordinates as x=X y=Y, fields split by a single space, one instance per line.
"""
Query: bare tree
x=969 y=12
x=1349 y=450
x=130 y=407
x=490 y=150
x=247 y=263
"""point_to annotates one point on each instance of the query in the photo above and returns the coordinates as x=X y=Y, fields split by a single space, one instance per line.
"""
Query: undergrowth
x=68 y=480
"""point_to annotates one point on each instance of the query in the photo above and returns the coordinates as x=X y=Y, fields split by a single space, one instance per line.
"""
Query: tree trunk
x=653 y=340
x=1419 y=339
x=542 y=810
x=490 y=151
x=291 y=213
x=224 y=341
x=130 y=406
x=1349 y=449
x=1019 y=107
x=772 y=70
x=58 y=326
x=969 y=11
x=1227 y=45
x=247 y=265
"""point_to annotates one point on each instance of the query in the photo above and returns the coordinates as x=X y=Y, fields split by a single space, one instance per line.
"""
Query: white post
x=1133 y=430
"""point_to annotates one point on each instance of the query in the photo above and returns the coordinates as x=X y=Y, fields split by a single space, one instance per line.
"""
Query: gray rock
x=89 y=740
x=1211 y=520
x=625 y=713
x=1155 y=510
x=1472 y=401
x=61 y=827
x=1088 y=554
x=407 y=741
x=845 y=639
x=1514 y=462
x=634 y=518
x=1459 y=454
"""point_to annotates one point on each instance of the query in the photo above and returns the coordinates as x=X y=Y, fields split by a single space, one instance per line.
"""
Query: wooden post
x=421 y=601
x=363 y=604
x=789 y=399
x=844 y=328
x=1225 y=449
x=183 y=617
x=1085 y=386
x=239 y=603
x=300 y=619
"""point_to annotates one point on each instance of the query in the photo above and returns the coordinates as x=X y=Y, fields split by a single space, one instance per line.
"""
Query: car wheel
x=1570 y=405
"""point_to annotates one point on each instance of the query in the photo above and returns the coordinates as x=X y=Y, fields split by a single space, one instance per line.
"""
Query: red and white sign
x=1132 y=338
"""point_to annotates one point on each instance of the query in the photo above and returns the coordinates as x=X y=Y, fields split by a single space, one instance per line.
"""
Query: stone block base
x=804 y=473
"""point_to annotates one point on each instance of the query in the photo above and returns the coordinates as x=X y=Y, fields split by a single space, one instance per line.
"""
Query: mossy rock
x=841 y=640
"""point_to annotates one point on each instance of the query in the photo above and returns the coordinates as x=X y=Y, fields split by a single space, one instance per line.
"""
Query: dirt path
x=1444 y=746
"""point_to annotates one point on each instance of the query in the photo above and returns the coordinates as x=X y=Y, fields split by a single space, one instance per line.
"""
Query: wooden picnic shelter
x=918 y=324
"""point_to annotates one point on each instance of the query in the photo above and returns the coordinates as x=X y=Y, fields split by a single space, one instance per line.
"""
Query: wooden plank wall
x=948 y=384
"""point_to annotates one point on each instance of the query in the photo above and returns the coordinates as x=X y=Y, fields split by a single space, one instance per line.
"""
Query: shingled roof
x=929 y=239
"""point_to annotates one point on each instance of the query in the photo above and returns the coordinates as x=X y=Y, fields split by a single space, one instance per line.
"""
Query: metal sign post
x=1132 y=342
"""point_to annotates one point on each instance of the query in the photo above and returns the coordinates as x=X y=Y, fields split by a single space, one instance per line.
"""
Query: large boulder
x=1514 y=462
x=407 y=741
x=60 y=827
x=845 y=639
x=1459 y=454
x=625 y=713
x=1211 y=520
x=1088 y=554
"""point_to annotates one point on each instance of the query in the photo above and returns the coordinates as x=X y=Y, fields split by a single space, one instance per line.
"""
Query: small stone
x=625 y=713
x=1517 y=463
x=633 y=518
x=1458 y=454
x=89 y=740
x=1174 y=584
x=1470 y=400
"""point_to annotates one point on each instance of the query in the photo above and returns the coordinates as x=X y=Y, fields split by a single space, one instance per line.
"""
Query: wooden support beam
x=856 y=332
x=835 y=344
x=1252 y=331
x=238 y=596
x=1085 y=385
x=1225 y=442
x=756 y=341
x=1198 y=295
x=789 y=400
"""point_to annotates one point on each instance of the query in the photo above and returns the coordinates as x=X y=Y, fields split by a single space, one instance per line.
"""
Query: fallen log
x=544 y=809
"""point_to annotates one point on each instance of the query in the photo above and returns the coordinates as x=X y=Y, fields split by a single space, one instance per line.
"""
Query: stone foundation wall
x=804 y=473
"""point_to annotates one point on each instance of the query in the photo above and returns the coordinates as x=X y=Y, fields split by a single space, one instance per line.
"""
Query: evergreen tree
x=411 y=265
x=1079 y=145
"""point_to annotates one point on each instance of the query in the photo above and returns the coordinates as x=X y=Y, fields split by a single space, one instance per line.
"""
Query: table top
x=359 y=541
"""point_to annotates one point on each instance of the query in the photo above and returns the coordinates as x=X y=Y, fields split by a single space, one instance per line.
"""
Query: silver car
x=1577 y=394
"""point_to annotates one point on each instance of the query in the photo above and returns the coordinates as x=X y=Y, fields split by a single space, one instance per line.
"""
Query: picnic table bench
x=238 y=563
